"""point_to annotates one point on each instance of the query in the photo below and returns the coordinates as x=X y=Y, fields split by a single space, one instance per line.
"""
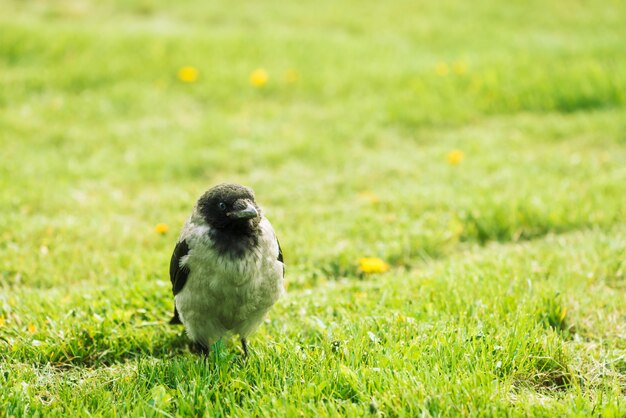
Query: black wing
x=178 y=274
x=280 y=256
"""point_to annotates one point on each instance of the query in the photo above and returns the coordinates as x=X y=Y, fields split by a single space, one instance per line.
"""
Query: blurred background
x=400 y=130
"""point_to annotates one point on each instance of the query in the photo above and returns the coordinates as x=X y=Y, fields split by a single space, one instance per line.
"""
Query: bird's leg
x=244 y=345
x=202 y=349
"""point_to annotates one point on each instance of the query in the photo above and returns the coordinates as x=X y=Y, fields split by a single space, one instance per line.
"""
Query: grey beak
x=248 y=212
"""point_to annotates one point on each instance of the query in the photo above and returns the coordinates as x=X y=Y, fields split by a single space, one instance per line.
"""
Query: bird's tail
x=175 y=319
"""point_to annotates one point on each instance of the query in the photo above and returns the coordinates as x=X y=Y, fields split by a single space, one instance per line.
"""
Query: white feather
x=223 y=293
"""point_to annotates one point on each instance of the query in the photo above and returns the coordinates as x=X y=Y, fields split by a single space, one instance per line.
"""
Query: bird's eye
x=222 y=206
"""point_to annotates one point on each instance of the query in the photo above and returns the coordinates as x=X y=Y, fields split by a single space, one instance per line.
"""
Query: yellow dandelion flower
x=31 y=328
x=360 y=295
x=369 y=197
x=563 y=313
x=372 y=265
x=455 y=157
x=2 y=320
x=390 y=217
x=460 y=67
x=258 y=77
x=291 y=76
x=161 y=228
x=442 y=69
x=188 y=74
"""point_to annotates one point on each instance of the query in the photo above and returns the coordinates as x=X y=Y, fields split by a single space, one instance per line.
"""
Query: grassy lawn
x=478 y=148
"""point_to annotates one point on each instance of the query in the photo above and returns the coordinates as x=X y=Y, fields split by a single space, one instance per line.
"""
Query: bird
x=227 y=268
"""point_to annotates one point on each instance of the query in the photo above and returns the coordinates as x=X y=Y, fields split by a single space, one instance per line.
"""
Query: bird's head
x=229 y=207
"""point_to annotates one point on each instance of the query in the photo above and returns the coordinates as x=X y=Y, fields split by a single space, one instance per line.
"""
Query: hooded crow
x=227 y=268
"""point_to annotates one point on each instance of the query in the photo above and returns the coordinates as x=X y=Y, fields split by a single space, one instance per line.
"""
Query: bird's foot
x=244 y=345
x=201 y=350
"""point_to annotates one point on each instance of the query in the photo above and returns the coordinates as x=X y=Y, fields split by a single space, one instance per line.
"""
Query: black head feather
x=219 y=207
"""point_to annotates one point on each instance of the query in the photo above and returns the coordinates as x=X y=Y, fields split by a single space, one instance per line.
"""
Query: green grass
x=507 y=291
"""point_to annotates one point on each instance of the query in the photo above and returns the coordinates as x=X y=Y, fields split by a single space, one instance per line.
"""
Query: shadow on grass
x=92 y=350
